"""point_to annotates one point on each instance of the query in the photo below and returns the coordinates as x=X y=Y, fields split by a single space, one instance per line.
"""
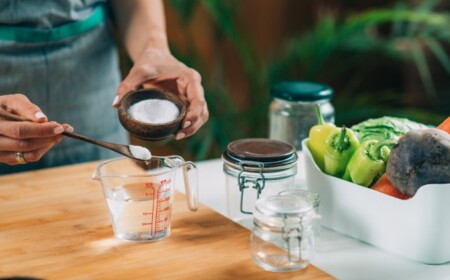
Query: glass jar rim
x=283 y=212
x=283 y=206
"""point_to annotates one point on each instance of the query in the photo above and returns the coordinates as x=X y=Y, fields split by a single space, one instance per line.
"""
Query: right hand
x=34 y=138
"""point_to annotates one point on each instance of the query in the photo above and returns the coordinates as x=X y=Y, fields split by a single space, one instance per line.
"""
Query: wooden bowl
x=150 y=131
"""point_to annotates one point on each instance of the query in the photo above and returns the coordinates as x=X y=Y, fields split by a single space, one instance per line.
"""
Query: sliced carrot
x=445 y=125
x=385 y=186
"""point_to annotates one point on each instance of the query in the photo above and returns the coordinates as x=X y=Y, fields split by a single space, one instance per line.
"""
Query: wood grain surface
x=54 y=225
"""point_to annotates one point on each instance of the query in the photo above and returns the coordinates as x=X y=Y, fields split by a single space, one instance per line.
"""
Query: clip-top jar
x=293 y=109
x=283 y=234
x=256 y=168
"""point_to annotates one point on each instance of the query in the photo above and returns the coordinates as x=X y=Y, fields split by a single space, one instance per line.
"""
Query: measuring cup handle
x=190 y=181
x=190 y=184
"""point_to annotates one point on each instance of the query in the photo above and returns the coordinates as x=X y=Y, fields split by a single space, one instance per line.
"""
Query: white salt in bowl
x=151 y=114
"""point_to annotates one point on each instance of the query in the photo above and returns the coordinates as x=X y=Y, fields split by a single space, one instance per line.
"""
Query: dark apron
x=71 y=72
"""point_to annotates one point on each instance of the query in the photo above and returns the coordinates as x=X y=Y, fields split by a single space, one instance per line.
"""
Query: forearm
x=141 y=24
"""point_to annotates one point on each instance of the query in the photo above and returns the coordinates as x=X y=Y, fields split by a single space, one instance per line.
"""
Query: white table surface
x=337 y=254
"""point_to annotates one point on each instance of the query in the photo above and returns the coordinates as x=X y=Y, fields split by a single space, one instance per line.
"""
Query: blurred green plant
x=361 y=52
x=362 y=56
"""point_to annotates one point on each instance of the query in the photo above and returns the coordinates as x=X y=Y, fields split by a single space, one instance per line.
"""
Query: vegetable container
x=417 y=228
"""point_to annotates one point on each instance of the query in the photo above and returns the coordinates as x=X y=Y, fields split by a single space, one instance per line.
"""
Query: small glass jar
x=256 y=168
x=313 y=198
x=283 y=237
x=293 y=110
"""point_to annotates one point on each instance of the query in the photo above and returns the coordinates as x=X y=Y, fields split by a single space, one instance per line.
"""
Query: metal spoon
x=131 y=151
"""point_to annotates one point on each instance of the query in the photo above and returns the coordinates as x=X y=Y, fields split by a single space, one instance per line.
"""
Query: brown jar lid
x=269 y=152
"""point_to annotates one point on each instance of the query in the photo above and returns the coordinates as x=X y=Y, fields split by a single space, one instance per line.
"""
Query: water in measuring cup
x=141 y=211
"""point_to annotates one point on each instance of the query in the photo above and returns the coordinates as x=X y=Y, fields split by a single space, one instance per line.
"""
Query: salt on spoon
x=140 y=152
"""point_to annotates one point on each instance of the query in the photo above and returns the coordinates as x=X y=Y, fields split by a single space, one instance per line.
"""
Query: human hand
x=32 y=139
x=157 y=68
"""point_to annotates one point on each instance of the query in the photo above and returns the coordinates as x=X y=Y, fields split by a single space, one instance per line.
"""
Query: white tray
x=417 y=228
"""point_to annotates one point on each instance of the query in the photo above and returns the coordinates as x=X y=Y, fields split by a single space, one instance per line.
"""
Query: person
x=59 y=67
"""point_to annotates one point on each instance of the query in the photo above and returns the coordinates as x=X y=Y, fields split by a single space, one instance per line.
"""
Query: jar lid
x=267 y=152
x=301 y=91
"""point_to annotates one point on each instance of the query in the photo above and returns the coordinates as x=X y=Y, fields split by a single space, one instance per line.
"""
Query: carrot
x=445 y=125
x=385 y=186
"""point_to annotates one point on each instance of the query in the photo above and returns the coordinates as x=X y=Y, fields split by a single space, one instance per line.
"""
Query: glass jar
x=293 y=110
x=283 y=234
x=313 y=198
x=256 y=168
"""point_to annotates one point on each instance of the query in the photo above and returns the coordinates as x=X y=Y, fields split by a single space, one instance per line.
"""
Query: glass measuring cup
x=139 y=195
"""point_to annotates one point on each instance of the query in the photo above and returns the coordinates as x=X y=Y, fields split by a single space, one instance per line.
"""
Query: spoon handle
x=114 y=147
x=92 y=141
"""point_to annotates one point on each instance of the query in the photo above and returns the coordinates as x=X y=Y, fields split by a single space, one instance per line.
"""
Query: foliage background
x=380 y=57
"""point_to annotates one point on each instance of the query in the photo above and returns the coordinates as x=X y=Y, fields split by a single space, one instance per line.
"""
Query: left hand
x=157 y=68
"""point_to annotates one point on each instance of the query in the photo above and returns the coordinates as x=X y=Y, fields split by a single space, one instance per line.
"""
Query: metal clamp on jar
x=293 y=110
x=256 y=168
x=283 y=236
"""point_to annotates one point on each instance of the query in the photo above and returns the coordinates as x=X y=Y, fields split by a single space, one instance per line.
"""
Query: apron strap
x=36 y=35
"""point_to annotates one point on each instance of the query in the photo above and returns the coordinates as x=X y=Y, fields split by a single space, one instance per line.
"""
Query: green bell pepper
x=339 y=148
x=368 y=163
x=317 y=136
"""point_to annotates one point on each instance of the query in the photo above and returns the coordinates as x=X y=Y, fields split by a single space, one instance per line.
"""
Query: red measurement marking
x=148 y=194
x=165 y=190
x=149 y=185
x=146 y=224
x=165 y=182
x=146 y=213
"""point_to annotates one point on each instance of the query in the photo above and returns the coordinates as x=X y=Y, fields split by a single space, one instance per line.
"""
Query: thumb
x=131 y=82
x=20 y=105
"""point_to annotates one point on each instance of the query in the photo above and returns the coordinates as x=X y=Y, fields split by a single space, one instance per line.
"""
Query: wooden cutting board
x=54 y=225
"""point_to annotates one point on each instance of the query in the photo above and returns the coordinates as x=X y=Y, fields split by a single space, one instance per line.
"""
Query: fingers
x=20 y=105
x=26 y=130
x=33 y=149
x=190 y=84
x=139 y=74
x=197 y=113
x=130 y=83
x=31 y=156
x=68 y=127
x=194 y=119
x=25 y=145
x=33 y=138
